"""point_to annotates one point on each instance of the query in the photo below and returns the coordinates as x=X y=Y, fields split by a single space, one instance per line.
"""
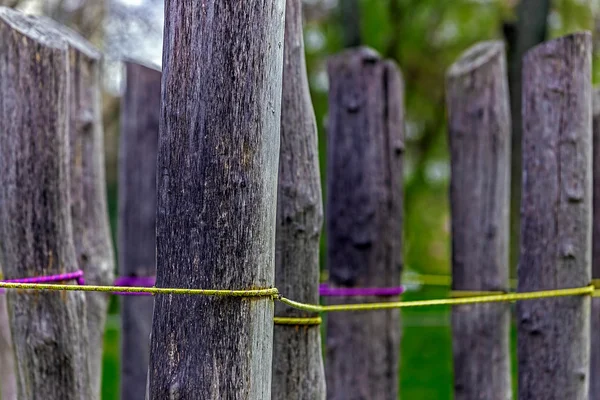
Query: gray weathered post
x=8 y=377
x=479 y=134
x=364 y=221
x=595 y=327
x=89 y=211
x=49 y=329
x=140 y=112
x=218 y=155
x=297 y=360
x=556 y=212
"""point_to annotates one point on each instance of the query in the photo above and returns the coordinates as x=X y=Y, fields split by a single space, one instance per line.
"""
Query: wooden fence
x=220 y=189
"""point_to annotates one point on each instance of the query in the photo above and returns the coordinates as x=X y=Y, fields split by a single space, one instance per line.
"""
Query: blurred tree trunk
x=137 y=218
x=298 y=364
x=528 y=30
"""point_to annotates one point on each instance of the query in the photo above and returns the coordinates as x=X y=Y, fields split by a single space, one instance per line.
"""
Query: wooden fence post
x=8 y=377
x=479 y=134
x=595 y=326
x=556 y=211
x=218 y=156
x=140 y=112
x=89 y=210
x=297 y=362
x=49 y=329
x=364 y=221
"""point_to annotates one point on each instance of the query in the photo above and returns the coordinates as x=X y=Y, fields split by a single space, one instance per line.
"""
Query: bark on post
x=297 y=363
x=479 y=134
x=89 y=211
x=364 y=221
x=137 y=219
x=595 y=340
x=218 y=157
x=49 y=329
x=553 y=334
x=8 y=377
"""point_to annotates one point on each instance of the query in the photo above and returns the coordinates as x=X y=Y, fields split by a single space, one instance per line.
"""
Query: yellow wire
x=498 y=298
x=297 y=321
x=274 y=294
x=472 y=293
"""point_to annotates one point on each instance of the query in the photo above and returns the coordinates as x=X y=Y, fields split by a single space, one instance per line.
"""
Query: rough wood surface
x=89 y=211
x=595 y=328
x=297 y=360
x=218 y=157
x=8 y=373
x=479 y=134
x=365 y=143
x=556 y=214
x=140 y=113
x=49 y=329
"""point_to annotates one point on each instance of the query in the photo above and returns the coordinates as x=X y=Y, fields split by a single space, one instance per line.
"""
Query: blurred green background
x=424 y=37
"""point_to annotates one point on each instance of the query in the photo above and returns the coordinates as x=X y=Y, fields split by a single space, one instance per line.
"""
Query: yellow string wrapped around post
x=316 y=308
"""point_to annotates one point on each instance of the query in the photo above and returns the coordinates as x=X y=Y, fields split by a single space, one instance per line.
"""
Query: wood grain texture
x=297 y=359
x=49 y=329
x=140 y=113
x=8 y=373
x=218 y=156
x=556 y=214
x=479 y=134
x=365 y=143
x=595 y=324
x=89 y=210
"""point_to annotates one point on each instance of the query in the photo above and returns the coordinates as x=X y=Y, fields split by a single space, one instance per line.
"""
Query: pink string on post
x=68 y=276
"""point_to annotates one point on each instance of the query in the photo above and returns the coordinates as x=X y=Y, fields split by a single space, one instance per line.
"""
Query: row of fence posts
x=209 y=194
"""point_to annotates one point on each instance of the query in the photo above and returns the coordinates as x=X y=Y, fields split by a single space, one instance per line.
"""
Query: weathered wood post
x=218 y=156
x=364 y=221
x=89 y=211
x=8 y=373
x=556 y=212
x=49 y=329
x=140 y=112
x=479 y=134
x=297 y=360
x=595 y=326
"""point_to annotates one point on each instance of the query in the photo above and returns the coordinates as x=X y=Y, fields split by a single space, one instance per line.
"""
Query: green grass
x=426 y=351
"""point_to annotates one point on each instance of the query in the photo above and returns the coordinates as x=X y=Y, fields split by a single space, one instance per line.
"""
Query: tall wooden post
x=554 y=334
x=140 y=112
x=479 y=134
x=595 y=327
x=8 y=373
x=218 y=155
x=49 y=329
x=297 y=363
x=364 y=221
x=89 y=211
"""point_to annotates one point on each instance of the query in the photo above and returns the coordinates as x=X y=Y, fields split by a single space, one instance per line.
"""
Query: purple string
x=77 y=275
x=133 y=281
x=325 y=290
